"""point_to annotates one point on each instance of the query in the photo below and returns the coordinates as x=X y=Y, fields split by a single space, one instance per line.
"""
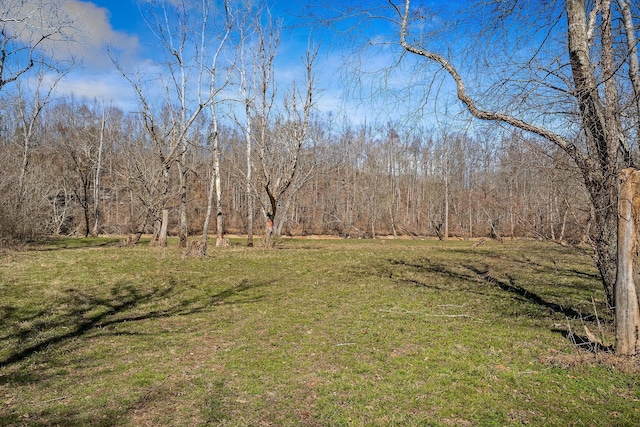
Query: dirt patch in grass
x=625 y=364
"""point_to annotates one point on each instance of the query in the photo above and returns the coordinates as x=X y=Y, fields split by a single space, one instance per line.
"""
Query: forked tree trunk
x=215 y=192
x=627 y=313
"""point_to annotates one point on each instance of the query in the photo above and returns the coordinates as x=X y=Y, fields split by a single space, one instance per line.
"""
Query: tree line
x=91 y=169
x=189 y=161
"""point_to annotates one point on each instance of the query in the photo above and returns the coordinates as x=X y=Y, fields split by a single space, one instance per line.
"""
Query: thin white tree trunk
x=249 y=178
x=445 y=234
x=96 y=180
x=207 y=217
x=217 y=177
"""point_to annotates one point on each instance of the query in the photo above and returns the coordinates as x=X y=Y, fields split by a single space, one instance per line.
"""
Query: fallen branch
x=37 y=402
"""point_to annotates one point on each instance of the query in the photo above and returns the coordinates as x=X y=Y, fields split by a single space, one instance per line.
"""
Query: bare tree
x=215 y=183
x=28 y=33
x=264 y=92
x=98 y=171
x=182 y=101
x=589 y=93
x=248 y=95
x=30 y=111
x=279 y=143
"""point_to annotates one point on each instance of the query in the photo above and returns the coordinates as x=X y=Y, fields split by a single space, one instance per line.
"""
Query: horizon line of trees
x=93 y=170
x=218 y=140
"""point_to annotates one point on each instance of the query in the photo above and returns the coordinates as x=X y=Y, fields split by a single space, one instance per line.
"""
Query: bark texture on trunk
x=161 y=239
x=601 y=128
x=627 y=313
x=184 y=227
x=221 y=241
x=164 y=228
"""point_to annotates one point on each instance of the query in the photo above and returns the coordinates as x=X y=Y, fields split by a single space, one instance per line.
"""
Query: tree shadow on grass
x=509 y=286
x=85 y=312
x=483 y=275
x=56 y=244
x=527 y=295
x=583 y=342
x=426 y=266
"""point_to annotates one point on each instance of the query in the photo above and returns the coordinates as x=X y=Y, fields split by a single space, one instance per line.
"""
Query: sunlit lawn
x=315 y=332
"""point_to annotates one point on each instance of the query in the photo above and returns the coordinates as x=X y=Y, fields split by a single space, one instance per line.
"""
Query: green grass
x=314 y=333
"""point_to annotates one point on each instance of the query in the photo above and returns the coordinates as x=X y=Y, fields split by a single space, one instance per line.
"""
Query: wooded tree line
x=91 y=169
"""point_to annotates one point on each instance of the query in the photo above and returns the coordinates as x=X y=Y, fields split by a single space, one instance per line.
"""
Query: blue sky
x=122 y=15
x=119 y=23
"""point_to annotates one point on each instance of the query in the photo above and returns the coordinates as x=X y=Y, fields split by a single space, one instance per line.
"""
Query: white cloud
x=75 y=28
x=94 y=32
x=79 y=30
x=108 y=87
x=97 y=78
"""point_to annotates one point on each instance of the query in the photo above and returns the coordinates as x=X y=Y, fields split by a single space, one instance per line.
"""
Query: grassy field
x=313 y=333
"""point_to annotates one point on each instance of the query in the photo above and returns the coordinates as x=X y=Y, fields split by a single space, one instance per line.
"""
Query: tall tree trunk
x=627 y=315
x=213 y=136
x=96 y=179
x=164 y=219
x=249 y=177
x=207 y=217
x=445 y=233
x=85 y=206
x=183 y=227
x=215 y=191
x=164 y=228
x=601 y=127
x=270 y=216
x=217 y=172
